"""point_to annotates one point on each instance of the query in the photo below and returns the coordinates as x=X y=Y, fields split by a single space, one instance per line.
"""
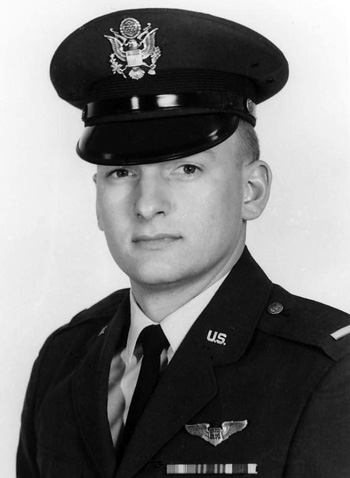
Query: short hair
x=249 y=144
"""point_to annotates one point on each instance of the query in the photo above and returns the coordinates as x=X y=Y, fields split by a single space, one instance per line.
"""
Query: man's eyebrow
x=206 y=154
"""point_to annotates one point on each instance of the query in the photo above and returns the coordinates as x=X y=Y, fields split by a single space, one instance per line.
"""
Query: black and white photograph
x=175 y=261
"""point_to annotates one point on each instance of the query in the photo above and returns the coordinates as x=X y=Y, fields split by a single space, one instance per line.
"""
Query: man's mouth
x=155 y=241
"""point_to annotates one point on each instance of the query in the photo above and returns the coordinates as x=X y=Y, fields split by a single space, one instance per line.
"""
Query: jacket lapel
x=187 y=385
x=90 y=391
x=189 y=382
x=234 y=312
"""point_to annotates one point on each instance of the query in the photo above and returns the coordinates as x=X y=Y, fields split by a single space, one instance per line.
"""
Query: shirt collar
x=175 y=325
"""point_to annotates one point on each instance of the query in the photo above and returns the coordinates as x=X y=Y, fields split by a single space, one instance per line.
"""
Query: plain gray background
x=54 y=261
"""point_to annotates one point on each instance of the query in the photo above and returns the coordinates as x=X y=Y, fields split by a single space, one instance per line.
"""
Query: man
x=238 y=376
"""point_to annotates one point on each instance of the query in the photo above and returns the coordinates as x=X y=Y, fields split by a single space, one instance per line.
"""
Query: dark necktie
x=153 y=342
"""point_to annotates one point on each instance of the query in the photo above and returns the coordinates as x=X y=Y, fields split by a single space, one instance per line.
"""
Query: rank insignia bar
x=339 y=334
x=212 y=469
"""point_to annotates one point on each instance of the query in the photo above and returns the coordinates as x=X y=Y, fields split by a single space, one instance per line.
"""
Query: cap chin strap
x=165 y=105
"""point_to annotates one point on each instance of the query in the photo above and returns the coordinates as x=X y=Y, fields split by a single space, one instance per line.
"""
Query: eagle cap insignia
x=132 y=46
x=216 y=435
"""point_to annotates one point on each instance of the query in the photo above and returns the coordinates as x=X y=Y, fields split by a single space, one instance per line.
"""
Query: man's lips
x=155 y=240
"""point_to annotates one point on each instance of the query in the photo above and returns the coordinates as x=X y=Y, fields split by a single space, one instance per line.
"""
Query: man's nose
x=152 y=197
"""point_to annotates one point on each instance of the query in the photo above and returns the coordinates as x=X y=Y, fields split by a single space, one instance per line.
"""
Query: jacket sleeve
x=320 y=448
x=27 y=466
x=26 y=454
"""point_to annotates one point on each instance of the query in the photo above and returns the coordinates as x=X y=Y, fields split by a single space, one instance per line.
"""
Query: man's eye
x=189 y=169
x=120 y=173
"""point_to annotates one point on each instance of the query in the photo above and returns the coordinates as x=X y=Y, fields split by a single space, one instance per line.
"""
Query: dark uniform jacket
x=256 y=353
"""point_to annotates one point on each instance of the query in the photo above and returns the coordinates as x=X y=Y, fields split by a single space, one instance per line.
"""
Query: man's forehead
x=160 y=84
x=229 y=151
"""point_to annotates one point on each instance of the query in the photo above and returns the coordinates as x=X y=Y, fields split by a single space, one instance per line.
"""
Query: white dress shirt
x=125 y=366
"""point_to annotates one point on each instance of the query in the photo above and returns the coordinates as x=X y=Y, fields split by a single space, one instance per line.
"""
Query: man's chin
x=158 y=277
x=156 y=281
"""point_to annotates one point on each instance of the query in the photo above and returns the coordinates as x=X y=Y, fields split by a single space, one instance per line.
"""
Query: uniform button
x=275 y=308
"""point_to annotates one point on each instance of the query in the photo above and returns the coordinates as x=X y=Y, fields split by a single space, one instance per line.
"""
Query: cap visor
x=154 y=140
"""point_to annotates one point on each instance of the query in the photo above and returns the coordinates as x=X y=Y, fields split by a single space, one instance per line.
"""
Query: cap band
x=172 y=81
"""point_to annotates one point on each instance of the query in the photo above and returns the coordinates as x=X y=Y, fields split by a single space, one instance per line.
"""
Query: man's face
x=176 y=221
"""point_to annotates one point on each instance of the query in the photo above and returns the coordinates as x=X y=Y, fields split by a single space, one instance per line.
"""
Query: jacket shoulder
x=94 y=317
x=307 y=322
x=104 y=309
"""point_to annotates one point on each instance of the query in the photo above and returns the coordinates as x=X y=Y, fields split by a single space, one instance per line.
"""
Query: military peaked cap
x=159 y=84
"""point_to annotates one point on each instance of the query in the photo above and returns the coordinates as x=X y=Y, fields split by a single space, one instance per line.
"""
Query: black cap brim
x=154 y=140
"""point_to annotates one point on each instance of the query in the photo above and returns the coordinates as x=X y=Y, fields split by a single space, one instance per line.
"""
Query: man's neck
x=158 y=301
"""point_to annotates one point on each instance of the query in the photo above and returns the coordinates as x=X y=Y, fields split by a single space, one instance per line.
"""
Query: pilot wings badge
x=133 y=46
x=215 y=436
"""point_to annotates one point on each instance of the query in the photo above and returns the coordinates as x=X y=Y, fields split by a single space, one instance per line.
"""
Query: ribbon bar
x=211 y=469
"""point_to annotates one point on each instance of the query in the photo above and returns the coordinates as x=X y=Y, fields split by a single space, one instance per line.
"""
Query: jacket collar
x=189 y=382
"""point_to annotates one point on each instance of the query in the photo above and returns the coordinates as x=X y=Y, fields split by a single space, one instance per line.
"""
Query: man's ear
x=98 y=215
x=257 y=179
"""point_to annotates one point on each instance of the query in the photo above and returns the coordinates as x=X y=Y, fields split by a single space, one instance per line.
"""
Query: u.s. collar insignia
x=215 y=436
x=103 y=330
x=132 y=47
